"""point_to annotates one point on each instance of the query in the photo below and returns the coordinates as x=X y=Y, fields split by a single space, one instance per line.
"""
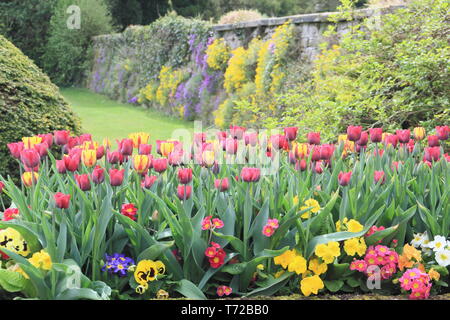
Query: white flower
x=438 y=243
x=418 y=239
x=443 y=257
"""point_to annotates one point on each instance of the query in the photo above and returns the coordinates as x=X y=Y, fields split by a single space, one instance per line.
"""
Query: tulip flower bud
x=442 y=132
x=60 y=166
x=30 y=158
x=72 y=162
x=114 y=157
x=89 y=157
x=432 y=153
x=185 y=175
x=376 y=135
x=184 y=192
x=363 y=139
x=29 y=178
x=433 y=141
x=251 y=138
x=237 y=132
x=15 y=149
x=301 y=165
x=160 y=165
x=145 y=149
x=313 y=138
x=125 y=147
x=250 y=174
x=155 y=215
x=221 y=184
x=354 y=133
x=116 y=177
x=208 y=158
x=83 y=182
x=379 y=175
x=403 y=135
x=148 y=181
x=344 y=178
x=166 y=148
x=419 y=133
x=98 y=175
x=62 y=200
x=2 y=186
x=100 y=152
x=141 y=163
x=290 y=133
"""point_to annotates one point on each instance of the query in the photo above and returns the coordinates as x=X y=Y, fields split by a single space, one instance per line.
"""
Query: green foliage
x=393 y=74
x=68 y=52
x=26 y=24
x=29 y=104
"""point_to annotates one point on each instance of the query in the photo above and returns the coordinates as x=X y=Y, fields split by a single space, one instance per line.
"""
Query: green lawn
x=103 y=117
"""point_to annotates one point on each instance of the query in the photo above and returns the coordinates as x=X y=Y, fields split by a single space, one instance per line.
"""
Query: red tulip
x=185 y=175
x=326 y=151
x=301 y=165
x=442 y=132
x=221 y=135
x=251 y=138
x=354 y=133
x=160 y=165
x=62 y=200
x=72 y=162
x=85 y=137
x=391 y=139
x=221 y=184
x=318 y=167
x=376 y=134
x=100 y=152
x=250 y=174
x=73 y=142
x=279 y=141
x=61 y=166
x=237 y=132
x=344 y=178
x=199 y=138
x=47 y=138
x=42 y=149
x=291 y=133
x=313 y=137
x=231 y=146
x=61 y=137
x=379 y=175
x=83 y=182
x=15 y=149
x=359 y=148
x=446 y=156
x=315 y=153
x=30 y=158
x=148 y=181
x=184 y=192
x=403 y=135
x=116 y=177
x=175 y=158
x=395 y=165
x=428 y=163
x=145 y=149
x=292 y=157
x=114 y=157
x=2 y=186
x=28 y=169
x=433 y=141
x=432 y=153
x=98 y=175
x=125 y=147
x=363 y=139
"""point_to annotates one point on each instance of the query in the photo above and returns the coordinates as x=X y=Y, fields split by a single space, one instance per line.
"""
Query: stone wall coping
x=301 y=18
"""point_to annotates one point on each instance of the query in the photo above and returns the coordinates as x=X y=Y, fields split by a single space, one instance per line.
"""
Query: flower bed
x=244 y=214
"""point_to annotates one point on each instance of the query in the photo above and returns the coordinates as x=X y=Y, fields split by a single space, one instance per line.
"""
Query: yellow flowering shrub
x=235 y=75
x=168 y=82
x=217 y=54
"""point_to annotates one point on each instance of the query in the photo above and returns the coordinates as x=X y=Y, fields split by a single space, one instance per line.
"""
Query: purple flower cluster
x=117 y=263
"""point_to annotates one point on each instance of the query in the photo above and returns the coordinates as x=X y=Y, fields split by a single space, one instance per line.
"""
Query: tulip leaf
x=12 y=281
x=155 y=251
x=270 y=286
x=189 y=290
x=235 y=268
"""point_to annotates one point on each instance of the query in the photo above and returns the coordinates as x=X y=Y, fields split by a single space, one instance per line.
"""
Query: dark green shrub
x=68 y=50
x=29 y=104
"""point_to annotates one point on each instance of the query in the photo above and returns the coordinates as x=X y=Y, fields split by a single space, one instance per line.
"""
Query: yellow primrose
x=328 y=252
x=316 y=267
x=310 y=203
x=355 y=246
x=285 y=259
x=311 y=285
x=354 y=226
x=434 y=275
x=297 y=265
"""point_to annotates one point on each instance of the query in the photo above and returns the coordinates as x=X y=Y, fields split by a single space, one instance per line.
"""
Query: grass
x=103 y=118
